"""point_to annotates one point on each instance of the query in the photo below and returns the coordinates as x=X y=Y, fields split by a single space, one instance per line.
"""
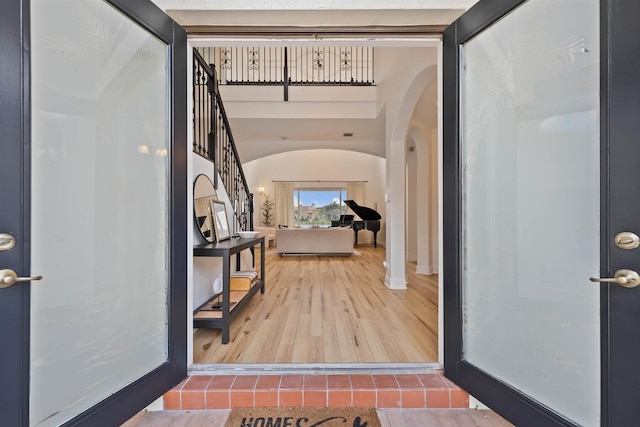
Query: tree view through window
x=318 y=207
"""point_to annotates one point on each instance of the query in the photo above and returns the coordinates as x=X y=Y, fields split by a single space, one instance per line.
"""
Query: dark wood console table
x=232 y=301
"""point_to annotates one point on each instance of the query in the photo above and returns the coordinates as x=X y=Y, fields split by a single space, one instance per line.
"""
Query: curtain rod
x=342 y=180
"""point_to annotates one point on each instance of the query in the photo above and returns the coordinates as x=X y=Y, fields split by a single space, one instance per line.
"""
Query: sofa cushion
x=315 y=241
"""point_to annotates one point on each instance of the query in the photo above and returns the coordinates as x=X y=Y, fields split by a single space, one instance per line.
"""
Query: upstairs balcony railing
x=213 y=140
x=290 y=66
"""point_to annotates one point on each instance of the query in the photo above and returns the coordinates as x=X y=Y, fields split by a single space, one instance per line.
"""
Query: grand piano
x=370 y=220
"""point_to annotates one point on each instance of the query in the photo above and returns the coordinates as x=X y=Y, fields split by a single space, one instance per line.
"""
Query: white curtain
x=284 y=203
x=357 y=191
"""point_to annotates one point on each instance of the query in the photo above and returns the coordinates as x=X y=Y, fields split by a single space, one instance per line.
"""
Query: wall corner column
x=395 y=277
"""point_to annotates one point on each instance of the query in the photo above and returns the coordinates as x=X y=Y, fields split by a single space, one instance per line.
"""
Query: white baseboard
x=476 y=404
x=395 y=283
x=156 y=405
x=425 y=269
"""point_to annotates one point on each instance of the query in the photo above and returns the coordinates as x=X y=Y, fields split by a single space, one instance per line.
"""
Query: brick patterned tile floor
x=200 y=392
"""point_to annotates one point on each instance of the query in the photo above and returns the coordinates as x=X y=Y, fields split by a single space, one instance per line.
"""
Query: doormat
x=303 y=417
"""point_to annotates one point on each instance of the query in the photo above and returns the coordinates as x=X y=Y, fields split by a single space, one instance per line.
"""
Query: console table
x=232 y=301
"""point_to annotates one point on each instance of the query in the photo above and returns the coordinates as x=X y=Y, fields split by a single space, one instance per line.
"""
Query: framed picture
x=220 y=222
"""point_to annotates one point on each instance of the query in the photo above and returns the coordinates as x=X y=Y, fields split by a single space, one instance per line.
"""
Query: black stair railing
x=213 y=140
x=293 y=66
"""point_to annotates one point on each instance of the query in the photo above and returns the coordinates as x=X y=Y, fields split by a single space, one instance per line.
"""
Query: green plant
x=267 y=211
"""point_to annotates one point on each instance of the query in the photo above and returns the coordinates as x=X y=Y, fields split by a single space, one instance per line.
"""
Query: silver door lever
x=624 y=278
x=9 y=278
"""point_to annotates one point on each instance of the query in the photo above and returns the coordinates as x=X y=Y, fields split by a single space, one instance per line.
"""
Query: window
x=315 y=207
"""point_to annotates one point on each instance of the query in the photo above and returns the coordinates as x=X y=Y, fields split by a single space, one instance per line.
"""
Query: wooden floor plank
x=411 y=418
x=375 y=340
x=364 y=352
x=330 y=338
x=321 y=309
x=285 y=347
x=346 y=337
x=464 y=419
x=481 y=418
x=158 y=419
x=300 y=352
x=204 y=418
x=496 y=419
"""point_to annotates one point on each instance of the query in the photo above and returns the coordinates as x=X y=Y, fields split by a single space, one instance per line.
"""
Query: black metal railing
x=328 y=65
x=203 y=107
x=212 y=139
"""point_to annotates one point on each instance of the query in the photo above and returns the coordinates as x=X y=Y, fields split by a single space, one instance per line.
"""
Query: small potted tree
x=267 y=229
x=267 y=211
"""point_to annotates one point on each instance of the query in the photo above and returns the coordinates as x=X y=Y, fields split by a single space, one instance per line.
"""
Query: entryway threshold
x=388 y=385
x=314 y=368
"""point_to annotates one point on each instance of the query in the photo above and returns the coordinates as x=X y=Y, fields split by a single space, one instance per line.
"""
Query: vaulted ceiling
x=320 y=19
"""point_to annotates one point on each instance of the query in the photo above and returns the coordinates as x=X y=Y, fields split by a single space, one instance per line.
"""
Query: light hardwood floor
x=330 y=310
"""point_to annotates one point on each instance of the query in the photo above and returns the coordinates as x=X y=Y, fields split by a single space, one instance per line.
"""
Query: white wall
x=319 y=165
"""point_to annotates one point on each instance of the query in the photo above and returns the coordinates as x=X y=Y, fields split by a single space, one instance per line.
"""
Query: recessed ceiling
x=262 y=137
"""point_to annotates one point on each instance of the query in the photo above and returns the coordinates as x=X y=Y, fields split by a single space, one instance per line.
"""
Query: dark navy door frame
x=15 y=214
x=620 y=211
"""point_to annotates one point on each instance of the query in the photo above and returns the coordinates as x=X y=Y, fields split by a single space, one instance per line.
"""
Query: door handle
x=9 y=278
x=627 y=240
x=624 y=278
x=7 y=241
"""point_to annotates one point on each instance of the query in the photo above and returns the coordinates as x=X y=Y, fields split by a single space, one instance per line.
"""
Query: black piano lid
x=363 y=212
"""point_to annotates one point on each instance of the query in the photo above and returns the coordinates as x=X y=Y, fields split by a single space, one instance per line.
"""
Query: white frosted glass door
x=100 y=134
x=530 y=179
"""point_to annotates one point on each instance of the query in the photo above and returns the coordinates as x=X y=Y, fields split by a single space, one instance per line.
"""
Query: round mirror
x=203 y=196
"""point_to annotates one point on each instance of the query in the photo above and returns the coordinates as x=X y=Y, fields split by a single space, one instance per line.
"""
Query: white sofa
x=269 y=234
x=315 y=241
